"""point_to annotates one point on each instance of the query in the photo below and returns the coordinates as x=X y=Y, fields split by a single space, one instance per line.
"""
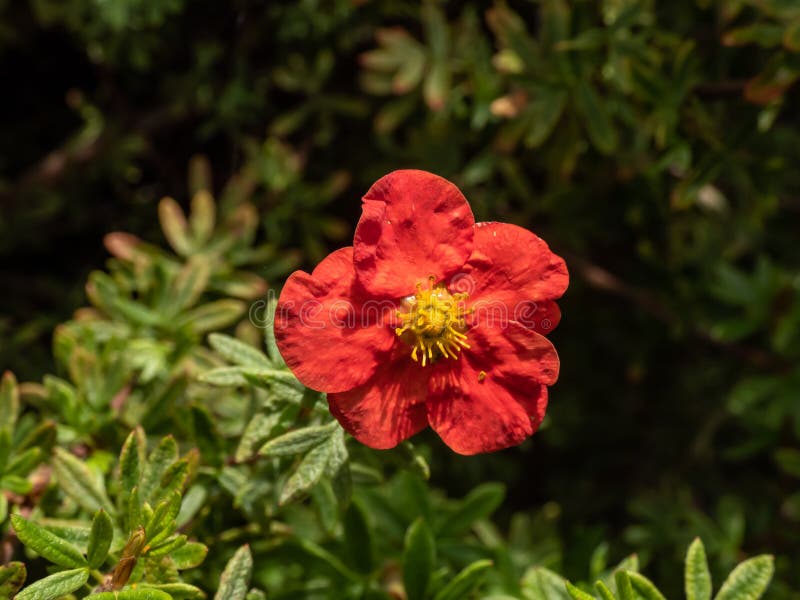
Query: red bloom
x=429 y=318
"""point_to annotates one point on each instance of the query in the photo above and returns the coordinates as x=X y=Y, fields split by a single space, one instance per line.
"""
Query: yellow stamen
x=433 y=322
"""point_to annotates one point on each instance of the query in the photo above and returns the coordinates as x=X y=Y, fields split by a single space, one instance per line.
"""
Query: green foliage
x=654 y=144
x=747 y=581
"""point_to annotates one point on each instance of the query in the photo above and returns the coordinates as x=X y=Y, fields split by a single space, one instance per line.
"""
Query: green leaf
x=307 y=474
x=478 y=504
x=298 y=440
x=602 y=589
x=179 y=591
x=100 y=538
x=624 y=586
x=138 y=594
x=189 y=556
x=80 y=483
x=598 y=122
x=235 y=579
x=543 y=115
x=5 y=448
x=258 y=429
x=22 y=464
x=644 y=588
x=9 y=401
x=212 y=316
x=47 y=544
x=202 y=216
x=167 y=546
x=3 y=507
x=358 y=538
x=540 y=583
x=173 y=222
x=327 y=559
x=577 y=593
x=419 y=559
x=269 y=333
x=237 y=376
x=188 y=285
x=749 y=580
x=55 y=586
x=237 y=352
x=160 y=459
x=466 y=581
x=12 y=576
x=697 y=578
x=16 y=484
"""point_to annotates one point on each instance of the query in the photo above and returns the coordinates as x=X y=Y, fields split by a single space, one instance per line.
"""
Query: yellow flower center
x=433 y=322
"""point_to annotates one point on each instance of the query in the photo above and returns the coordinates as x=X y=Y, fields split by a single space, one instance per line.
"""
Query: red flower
x=429 y=318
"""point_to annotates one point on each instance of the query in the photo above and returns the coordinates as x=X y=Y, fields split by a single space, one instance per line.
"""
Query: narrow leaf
x=173 y=222
x=78 y=481
x=748 y=580
x=9 y=400
x=307 y=474
x=466 y=581
x=697 y=578
x=298 y=441
x=100 y=539
x=644 y=588
x=55 y=586
x=47 y=544
x=138 y=594
x=577 y=593
x=235 y=579
x=238 y=352
x=479 y=504
x=419 y=559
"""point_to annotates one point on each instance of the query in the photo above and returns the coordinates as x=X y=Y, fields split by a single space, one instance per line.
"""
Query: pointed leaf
x=307 y=474
x=577 y=593
x=47 y=544
x=78 y=481
x=419 y=559
x=238 y=352
x=478 y=504
x=100 y=539
x=55 y=586
x=644 y=588
x=298 y=440
x=9 y=401
x=466 y=581
x=173 y=222
x=235 y=580
x=748 y=580
x=697 y=578
x=203 y=216
x=137 y=594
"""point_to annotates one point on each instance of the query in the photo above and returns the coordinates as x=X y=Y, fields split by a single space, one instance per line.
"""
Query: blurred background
x=655 y=145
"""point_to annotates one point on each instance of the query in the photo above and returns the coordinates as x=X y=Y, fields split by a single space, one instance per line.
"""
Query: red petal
x=512 y=275
x=543 y=317
x=496 y=396
x=321 y=331
x=513 y=354
x=413 y=224
x=388 y=408
x=473 y=414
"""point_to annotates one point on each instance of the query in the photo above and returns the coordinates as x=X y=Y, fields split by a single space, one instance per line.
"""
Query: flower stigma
x=433 y=322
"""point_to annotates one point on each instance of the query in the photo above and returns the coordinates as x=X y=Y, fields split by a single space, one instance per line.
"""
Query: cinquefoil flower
x=428 y=319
